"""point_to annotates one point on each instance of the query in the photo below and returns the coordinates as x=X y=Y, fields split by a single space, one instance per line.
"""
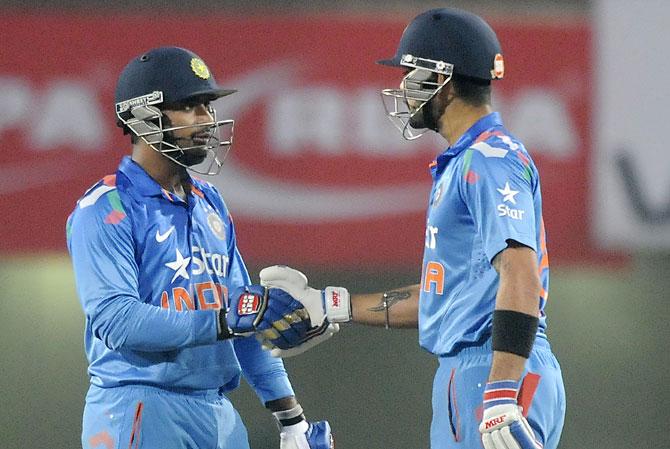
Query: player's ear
x=447 y=90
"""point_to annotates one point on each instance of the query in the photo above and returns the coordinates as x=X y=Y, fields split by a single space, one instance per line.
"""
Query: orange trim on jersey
x=523 y=158
x=109 y=180
x=167 y=195
x=486 y=134
x=134 y=442
x=197 y=191
x=544 y=261
x=527 y=391
x=432 y=164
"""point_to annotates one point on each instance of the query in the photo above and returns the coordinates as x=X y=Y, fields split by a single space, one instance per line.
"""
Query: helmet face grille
x=417 y=88
x=147 y=123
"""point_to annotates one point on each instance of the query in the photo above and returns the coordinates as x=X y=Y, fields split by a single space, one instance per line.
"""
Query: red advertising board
x=317 y=174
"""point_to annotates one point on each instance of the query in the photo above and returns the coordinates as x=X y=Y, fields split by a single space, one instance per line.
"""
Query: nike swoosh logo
x=160 y=238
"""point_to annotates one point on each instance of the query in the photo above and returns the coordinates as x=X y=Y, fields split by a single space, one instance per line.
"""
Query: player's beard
x=191 y=156
x=429 y=115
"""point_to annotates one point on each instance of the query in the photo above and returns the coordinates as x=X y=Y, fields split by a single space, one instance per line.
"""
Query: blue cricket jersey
x=486 y=191
x=151 y=271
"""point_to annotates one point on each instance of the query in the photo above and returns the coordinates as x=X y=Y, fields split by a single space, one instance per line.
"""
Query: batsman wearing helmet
x=169 y=321
x=480 y=304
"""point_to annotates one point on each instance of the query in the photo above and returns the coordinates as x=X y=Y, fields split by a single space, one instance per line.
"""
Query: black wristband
x=223 y=332
x=289 y=417
x=514 y=332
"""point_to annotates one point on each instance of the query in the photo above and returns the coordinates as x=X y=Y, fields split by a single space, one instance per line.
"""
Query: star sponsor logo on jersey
x=179 y=266
x=216 y=225
x=201 y=262
x=508 y=194
x=211 y=263
x=508 y=197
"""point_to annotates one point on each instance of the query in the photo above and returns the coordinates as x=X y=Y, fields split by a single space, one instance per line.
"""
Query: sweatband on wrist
x=289 y=417
x=223 y=331
x=514 y=332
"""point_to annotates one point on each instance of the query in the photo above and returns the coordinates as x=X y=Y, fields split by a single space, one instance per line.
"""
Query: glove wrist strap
x=501 y=392
x=223 y=331
x=290 y=417
x=337 y=304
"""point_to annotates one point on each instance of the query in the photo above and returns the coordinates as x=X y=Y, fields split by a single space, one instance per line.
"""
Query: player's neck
x=458 y=118
x=170 y=176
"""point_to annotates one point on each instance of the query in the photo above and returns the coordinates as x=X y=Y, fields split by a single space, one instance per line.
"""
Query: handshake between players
x=286 y=314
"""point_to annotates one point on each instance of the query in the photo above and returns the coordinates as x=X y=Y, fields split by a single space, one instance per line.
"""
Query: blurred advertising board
x=317 y=174
x=632 y=166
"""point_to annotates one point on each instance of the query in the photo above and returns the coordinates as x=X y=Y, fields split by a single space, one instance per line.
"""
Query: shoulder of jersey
x=104 y=197
x=496 y=145
x=496 y=151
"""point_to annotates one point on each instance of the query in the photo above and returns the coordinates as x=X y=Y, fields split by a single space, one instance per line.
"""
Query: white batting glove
x=302 y=434
x=503 y=425
x=332 y=303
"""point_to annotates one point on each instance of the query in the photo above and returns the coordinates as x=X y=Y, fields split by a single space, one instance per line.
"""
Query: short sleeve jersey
x=486 y=192
x=151 y=271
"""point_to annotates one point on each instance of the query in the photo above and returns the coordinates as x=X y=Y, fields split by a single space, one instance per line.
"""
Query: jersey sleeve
x=264 y=373
x=497 y=188
x=101 y=245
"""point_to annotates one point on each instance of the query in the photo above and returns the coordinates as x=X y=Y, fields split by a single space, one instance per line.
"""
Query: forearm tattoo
x=389 y=299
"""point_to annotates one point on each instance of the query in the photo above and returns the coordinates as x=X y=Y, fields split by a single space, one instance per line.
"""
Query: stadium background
x=312 y=127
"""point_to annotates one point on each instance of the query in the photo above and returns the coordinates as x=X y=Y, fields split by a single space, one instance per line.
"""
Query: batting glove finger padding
x=307 y=436
x=284 y=326
x=329 y=331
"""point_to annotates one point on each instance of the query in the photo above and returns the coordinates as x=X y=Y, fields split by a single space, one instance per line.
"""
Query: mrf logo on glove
x=494 y=422
x=249 y=304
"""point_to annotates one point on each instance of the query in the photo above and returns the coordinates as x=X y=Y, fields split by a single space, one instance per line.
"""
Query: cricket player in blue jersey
x=480 y=305
x=169 y=323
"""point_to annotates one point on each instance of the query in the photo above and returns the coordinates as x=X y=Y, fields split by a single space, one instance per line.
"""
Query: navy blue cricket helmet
x=436 y=45
x=455 y=37
x=178 y=73
x=160 y=80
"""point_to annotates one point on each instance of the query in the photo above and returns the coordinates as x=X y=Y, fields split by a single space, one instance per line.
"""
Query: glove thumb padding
x=295 y=284
x=281 y=275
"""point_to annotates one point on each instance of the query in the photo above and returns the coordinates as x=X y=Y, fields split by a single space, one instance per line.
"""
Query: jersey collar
x=492 y=120
x=144 y=184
